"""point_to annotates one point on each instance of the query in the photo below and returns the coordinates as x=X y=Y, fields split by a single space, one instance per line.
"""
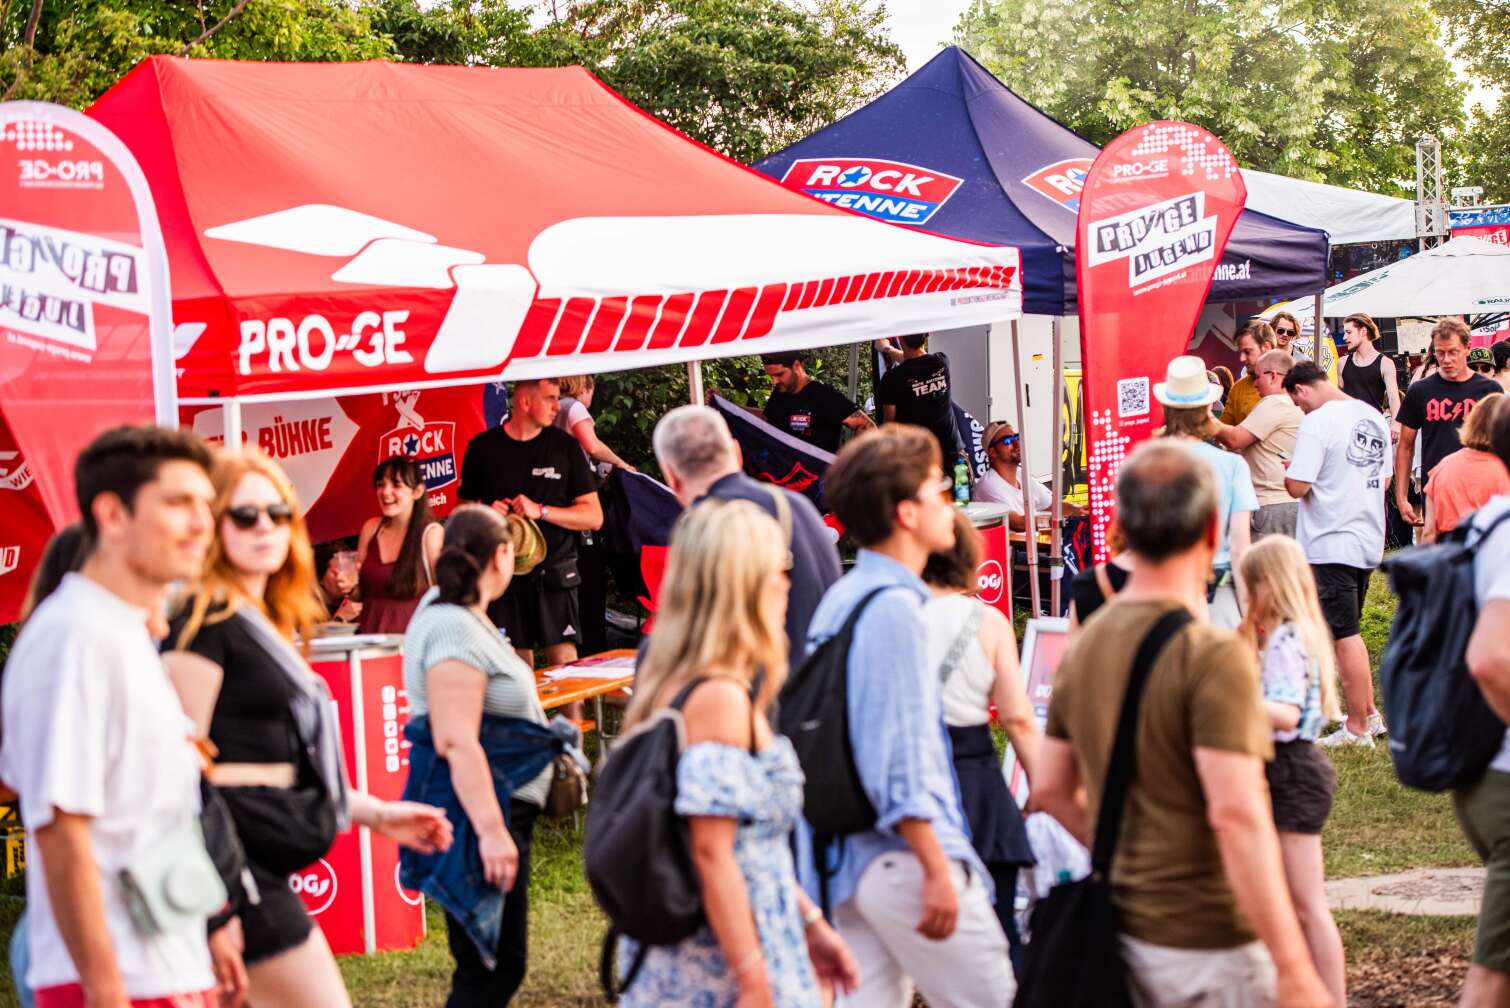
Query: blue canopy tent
x=955 y=151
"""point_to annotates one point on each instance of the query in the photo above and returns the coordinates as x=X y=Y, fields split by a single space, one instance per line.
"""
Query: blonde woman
x=720 y=646
x=576 y=419
x=278 y=765
x=1285 y=624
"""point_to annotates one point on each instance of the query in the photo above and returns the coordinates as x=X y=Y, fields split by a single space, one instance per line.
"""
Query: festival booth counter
x=361 y=253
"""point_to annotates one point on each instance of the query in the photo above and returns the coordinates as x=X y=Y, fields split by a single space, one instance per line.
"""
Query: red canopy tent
x=334 y=228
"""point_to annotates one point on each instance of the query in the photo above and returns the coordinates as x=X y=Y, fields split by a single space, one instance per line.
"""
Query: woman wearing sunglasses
x=278 y=762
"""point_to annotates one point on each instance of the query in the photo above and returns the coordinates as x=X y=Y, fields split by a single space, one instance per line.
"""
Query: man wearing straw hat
x=1187 y=397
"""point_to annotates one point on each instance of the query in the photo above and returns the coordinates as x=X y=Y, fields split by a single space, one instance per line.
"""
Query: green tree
x=1482 y=155
x=1329 y=90
x=72 y=51
x=745 y=77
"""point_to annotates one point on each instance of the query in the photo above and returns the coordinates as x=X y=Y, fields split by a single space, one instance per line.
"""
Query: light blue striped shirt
x=896 y=726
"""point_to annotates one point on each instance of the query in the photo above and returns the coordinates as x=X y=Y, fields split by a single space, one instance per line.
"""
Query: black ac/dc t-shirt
x=1436 y=408
x=816 y=414
x=919 y=389
x=549 y=469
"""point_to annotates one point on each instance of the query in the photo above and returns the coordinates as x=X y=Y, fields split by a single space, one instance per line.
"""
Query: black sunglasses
x=1283 y=332
x=1482 y=368
x=245 y=516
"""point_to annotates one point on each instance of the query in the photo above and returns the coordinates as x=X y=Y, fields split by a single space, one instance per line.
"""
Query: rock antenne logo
x=888 y=190
x=432 y=445
x=1061 y=182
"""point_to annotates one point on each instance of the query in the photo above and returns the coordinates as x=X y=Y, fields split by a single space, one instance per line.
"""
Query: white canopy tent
x=1347 y=215
x=1465 y=276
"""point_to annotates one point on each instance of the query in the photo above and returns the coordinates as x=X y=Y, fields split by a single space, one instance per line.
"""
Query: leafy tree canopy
x=744 y=76
x=1328 y=90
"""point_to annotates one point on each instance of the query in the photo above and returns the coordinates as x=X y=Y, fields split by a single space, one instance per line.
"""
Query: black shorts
x=1302 y=784
x=533 y=614
x=276 y=924
x=1341 y=589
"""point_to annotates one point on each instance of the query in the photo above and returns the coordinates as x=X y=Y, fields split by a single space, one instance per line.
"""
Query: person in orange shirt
x=1465 y=480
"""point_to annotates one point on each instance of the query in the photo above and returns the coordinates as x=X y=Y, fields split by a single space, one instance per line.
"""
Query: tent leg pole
x=1030 y=525
x=231 y=413
x=1316 y=312
x=695 y=382
x=854 y=372
x=1056 y=440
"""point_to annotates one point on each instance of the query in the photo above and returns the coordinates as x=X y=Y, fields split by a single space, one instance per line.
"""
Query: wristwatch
x=545 y=511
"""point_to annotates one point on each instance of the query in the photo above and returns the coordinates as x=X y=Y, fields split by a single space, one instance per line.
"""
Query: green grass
x=1377 y=826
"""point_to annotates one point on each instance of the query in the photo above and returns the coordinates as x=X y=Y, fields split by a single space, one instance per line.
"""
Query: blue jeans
x=20 y=960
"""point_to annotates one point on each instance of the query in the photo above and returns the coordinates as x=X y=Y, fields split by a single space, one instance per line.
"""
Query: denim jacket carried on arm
x=517 y=750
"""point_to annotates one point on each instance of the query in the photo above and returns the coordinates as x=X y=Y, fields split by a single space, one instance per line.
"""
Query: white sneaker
x=1343 y=737
x=1376 y=726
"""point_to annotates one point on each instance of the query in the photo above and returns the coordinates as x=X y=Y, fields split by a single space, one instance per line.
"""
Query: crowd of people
x=161 y=722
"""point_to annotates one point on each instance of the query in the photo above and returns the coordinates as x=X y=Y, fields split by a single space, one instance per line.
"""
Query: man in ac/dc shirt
x=805 y=409
x=916 y=391
x=1437 y=406
x=531 y=468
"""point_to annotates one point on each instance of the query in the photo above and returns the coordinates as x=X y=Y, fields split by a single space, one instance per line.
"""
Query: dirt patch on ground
x=1431 y=978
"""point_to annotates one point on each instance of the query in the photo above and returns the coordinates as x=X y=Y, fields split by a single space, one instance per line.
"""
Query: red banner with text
x=329 y=447
x=1157 y=209
x=84 y=317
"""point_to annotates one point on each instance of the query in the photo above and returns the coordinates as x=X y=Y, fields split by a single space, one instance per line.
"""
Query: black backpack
x=636 y=850
x=1442 y=733
x=813 y=713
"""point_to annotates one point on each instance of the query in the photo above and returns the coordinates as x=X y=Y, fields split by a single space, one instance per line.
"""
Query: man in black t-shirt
x=917 y=391
x=807 y=410
x=1436 y=406
x=531 y=468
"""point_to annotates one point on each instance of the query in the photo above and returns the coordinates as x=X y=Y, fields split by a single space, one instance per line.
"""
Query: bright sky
x=923 y=27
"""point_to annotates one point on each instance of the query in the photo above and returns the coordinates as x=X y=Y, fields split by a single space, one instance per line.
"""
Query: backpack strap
x=685 y=694
x=1119 y=774
x=611 y=990
x=961 y=643
x=1104 y=582
x=821 y=844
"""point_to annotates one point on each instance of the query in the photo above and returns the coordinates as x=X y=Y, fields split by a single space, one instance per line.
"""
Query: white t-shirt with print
x=1491 y=579
x=994 y=489
x=1342 y=449
x=92 y=727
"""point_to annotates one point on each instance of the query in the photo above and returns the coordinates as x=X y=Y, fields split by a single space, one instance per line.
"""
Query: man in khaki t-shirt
x=1266 y=439
x=1203 y=691
x=1207 y=919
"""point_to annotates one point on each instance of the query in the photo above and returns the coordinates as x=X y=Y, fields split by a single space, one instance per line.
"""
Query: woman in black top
x=257 y=595
x=1094 y=586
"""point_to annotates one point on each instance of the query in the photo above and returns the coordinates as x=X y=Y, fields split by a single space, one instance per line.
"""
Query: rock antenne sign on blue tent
x=954 y=151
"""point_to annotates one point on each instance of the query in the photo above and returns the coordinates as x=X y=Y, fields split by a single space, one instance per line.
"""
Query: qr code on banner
x=1132 y=397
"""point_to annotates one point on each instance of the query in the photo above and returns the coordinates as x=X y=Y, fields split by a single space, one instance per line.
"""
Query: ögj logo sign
x=317 y=885
x=992 y=581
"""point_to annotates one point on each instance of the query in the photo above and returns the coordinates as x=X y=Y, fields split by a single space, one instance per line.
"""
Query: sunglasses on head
x=245 y=516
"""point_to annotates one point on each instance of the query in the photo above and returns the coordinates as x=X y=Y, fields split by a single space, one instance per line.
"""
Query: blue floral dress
x=764 y=792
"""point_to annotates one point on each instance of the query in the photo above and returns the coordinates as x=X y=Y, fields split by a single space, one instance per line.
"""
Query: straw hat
x=529 y=543
x=1185 y=385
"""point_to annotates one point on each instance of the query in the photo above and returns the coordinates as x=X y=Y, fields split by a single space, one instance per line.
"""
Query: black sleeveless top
x=1365 y=382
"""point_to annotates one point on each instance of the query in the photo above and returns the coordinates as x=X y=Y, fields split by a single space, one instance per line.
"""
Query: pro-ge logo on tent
x=1061 y=181
x=887 y=190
